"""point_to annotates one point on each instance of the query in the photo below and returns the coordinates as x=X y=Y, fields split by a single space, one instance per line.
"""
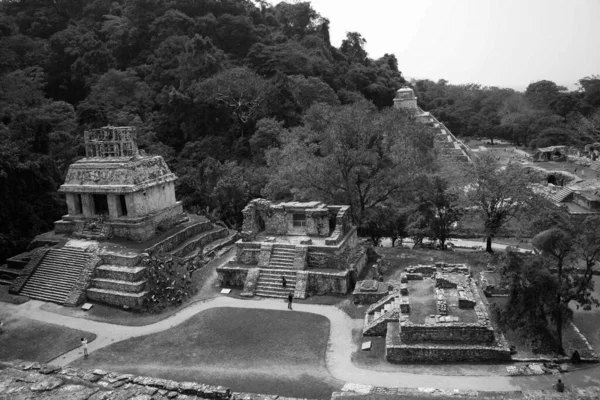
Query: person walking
x=290 y=298
x=84 y=344
x=283 y=282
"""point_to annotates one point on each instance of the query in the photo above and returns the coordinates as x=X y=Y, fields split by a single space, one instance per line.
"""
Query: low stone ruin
x=460 y=330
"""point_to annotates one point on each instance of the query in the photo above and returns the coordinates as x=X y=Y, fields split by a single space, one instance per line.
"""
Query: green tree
x=496 y=194
x=350 y=154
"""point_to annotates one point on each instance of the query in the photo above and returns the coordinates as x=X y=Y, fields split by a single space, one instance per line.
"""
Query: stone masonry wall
x=320 y=283
x=247 y=253
x=454 y=332
x=232 y=276
x=451 y=354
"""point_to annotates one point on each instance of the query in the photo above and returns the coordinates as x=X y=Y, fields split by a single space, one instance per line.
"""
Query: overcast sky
x=507 y=43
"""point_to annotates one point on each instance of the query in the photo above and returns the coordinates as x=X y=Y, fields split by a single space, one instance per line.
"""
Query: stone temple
x=121 y=208
x=448 y=146
x=436 y=313
x=132 y=194
x=313 y=246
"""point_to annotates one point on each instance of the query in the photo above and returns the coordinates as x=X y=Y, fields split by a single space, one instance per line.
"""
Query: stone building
x=121 y=210
x=129 y=194
x=311 y=245
x=436 y=313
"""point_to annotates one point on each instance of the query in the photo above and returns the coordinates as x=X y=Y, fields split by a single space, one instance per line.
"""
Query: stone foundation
x=397 y=351
x=230 y=275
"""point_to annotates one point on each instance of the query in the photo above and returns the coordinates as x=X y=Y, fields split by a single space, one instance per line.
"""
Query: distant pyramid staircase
x=56 y=275
x=562 y=195
x=595 y=166
x=281 y=264
x=379 y=314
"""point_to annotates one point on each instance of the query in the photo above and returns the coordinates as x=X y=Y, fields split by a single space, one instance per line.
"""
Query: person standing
x=560 y=386
x=290 y=298
x=283 y=282
x=84 y=344
x=1 y=327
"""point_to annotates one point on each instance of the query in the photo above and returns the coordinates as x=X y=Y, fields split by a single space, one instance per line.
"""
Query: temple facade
x=116 y=191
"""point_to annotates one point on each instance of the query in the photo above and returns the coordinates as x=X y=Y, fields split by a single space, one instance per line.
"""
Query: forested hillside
x=546 y=114
x=212 y=85
x=243 y=99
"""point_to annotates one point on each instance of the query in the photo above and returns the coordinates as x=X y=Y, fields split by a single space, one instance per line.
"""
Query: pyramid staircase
x=56 y=274
x=379 y=314
x=562 y=195
x=281 y=264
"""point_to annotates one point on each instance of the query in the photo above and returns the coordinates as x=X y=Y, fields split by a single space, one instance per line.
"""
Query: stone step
x=279 y=265
x=271 y=293
x=282 y=257
x=278 y=272
x=50 y=288
x=270 y=279
x=115 y=297
x=120 y=272
x=55 y=276
x=118 y=285
x=46 y=295
x=277 y=288
x=50 y=281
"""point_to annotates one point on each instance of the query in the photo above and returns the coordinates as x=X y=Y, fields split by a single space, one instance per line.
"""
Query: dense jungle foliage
x=243 y=99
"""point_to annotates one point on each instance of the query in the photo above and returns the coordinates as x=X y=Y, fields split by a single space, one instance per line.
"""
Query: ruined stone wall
x=320 y=283
x=232 y=276
x=247 y=253
x=276 y=221
x=339 y=257
x=446 y=332
x=317 y=222
x=152 y=199
x=36 y=257
x=451 y=354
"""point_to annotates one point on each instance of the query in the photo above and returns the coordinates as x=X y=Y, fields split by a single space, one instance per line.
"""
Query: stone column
x=113 y=206
x=87 y=205
x=130 y=204
x=70 y=197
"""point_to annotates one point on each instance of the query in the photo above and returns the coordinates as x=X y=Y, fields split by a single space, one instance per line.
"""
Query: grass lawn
x=30 y=340
x=260 y=351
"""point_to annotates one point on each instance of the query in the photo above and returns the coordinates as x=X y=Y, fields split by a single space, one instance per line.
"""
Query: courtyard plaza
x=323 y=365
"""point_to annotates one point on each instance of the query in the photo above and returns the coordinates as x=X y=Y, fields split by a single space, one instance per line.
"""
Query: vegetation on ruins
x=169 y=282
x=496 y=195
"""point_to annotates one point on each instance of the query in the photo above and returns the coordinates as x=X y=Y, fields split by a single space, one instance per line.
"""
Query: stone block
x=404 y=289
x=404 y=305
x=414 y=276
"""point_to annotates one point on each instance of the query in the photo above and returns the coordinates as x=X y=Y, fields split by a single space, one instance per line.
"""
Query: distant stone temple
x=309 y=245
x=121 y=209
x=447 y=144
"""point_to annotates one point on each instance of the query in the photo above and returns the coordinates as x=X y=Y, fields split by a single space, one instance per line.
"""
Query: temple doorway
x=552 y=180
x=100 y=204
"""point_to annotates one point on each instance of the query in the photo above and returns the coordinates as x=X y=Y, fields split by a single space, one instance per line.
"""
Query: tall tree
x=350 y=154
x=496 y=194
